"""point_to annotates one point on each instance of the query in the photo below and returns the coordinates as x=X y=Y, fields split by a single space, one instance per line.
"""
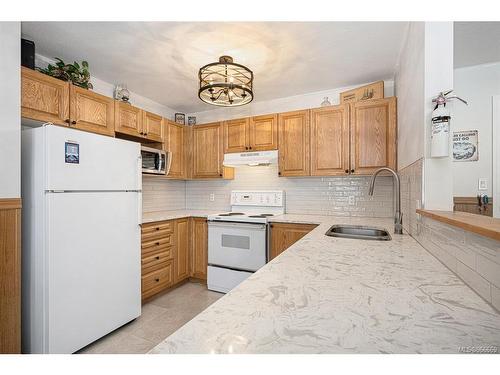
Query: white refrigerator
x=82 y=207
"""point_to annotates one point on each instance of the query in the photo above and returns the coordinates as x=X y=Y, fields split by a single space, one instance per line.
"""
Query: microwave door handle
x=169 y=157
x=160 y=162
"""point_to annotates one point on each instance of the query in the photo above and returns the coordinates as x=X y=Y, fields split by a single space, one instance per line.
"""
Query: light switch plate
x=351 y=200
x=483 y=184
x=212 y=197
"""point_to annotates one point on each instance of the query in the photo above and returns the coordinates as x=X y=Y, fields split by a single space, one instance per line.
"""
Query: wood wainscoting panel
x=469 y=204
x=10 y=275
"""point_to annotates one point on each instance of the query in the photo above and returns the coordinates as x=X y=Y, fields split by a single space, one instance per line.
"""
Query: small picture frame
x=180 y=118
x=191 y=120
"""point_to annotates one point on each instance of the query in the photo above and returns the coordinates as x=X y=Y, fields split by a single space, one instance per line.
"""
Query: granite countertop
x=334 y=295
x=151 y=217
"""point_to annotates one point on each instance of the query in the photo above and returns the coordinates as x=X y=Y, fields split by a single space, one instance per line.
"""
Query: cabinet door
x=128 y=119
x=263 y=132
x=285 y=235
x=199 y=248
x=181 y=250
x=294 y=145
x=330 y=141
x=152 y=126
x=44 y=98
x=236 y=135
x=175 y=144
x=373 y=135
x=91 y=111
x=207 y=150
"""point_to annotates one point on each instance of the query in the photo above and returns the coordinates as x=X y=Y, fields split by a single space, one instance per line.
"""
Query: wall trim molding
x=10 y=203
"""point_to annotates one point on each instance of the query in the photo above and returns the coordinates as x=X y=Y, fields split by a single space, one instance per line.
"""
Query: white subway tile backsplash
x=311 y=195
x=475 y=281
x=159 y=194
x=489 y=270
x=495 y=297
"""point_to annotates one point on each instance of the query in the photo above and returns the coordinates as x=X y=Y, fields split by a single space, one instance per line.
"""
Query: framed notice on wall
x=465 y=147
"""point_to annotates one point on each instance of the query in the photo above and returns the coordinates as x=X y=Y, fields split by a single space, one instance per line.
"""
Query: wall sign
x=72 y=153
x=465 y=147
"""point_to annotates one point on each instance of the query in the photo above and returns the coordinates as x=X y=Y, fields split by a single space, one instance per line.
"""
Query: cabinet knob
x=141 y=133
x=279 y=173
x=158 y=258
x=347 y=171
x=220 y=174
x=67 y=121
x=157 y=244
x=145 y=134
x=250 y=147
x=157 y=228
x=157 y=280
x=352 y=170
x=73 y=122
x=246 y=147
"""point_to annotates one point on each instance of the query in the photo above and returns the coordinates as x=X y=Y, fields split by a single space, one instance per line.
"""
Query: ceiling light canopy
x=225 y=83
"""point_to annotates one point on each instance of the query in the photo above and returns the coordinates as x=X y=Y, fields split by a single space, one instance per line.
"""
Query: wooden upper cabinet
x=207 y=150
x=294 y=144
x=152 y=126
x=263 y=133
x=284 y=235
x=91 y=111
x=330 y=141
x=44 y=98
x=373 y=135
x=181 y=249
x=128 y=119
x=174 y=142
x=236 y=137
x=199 y=248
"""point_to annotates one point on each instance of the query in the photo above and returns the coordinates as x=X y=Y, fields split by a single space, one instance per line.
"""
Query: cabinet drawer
x=155 y=261
x=166 y=226
x=158 y=280
x=156 y=244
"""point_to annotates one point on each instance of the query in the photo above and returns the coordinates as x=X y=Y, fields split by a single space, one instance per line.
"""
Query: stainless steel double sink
x=359 y=232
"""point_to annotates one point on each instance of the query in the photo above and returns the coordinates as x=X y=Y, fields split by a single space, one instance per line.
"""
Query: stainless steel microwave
x=155 y=161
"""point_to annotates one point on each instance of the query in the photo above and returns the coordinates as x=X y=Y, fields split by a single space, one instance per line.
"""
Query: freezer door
x=93 y=267
x=78 y=160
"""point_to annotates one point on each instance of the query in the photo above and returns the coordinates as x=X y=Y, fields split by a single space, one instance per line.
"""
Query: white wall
x=438 y=71
x=291 y=103
x=409 y=88
x=10 y=116
x=476 y=84
x=106 y=88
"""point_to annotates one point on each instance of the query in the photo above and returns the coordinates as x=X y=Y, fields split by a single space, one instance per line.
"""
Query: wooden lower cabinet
x=157 y=257
x=284 y=235
x=181 y=249
x=199 y=248
x=10 y=276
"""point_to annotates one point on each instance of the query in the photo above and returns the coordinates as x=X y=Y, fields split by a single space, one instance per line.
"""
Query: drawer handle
x=157 y=279
x=158 y=257
x=157 y=244
x=157 y=228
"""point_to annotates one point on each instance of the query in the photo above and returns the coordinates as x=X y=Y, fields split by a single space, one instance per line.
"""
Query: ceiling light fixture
x=225 y=83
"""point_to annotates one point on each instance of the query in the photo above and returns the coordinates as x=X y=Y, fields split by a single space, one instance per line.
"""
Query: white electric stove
x=238 y=240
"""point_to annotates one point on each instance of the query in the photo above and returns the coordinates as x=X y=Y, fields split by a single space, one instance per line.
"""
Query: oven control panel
x=266 y=198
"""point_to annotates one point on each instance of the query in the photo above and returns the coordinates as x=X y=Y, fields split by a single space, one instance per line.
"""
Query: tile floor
x=160 y=318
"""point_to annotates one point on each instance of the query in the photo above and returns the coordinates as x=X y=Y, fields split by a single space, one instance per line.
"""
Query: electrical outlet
x=482 y=184
x=212 y=197
x=351 y=200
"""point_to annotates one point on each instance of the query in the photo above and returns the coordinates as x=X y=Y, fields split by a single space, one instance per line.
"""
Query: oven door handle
x=232 y=224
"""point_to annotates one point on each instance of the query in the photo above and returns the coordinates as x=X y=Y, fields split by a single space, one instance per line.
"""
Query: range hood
x=251 y=158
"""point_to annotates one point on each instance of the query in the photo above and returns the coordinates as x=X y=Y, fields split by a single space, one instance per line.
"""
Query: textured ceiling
x=160 y=60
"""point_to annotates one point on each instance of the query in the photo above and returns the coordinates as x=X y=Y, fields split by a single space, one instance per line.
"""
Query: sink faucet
x=398 y=216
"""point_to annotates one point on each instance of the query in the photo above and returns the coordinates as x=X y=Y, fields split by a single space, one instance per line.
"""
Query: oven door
x=239 y=246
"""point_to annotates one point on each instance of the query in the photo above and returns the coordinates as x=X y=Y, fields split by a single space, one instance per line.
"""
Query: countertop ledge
x=151 y=217
x=479 y=224
x=337 y=295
